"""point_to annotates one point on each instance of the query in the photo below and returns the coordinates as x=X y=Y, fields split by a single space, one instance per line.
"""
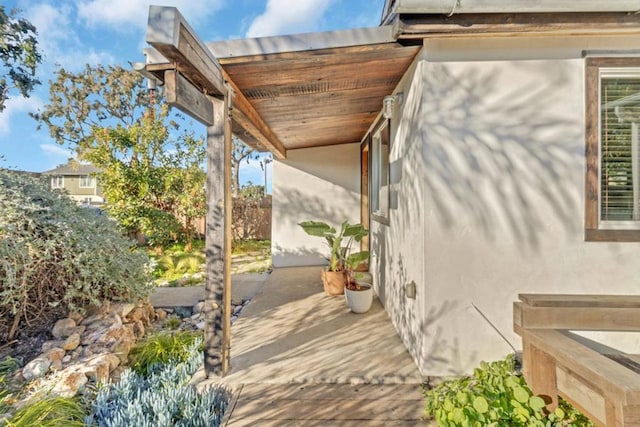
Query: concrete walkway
x=300 y=357
x=243 y=287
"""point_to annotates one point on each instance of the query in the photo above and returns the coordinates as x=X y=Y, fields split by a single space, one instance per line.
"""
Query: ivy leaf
x=480 y=404
x=537 y=403
x=521 y=394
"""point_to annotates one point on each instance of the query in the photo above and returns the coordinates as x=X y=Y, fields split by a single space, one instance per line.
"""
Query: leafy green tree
x=151 y=176
x=19 y=55
x=151 y=182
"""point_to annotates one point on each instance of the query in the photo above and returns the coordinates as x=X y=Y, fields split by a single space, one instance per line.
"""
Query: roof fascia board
x=302 y=42
x=451 y=7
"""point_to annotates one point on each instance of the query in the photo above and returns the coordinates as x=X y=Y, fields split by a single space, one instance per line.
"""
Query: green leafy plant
x=495 y=395
x=49 y=412
x=161 y=349
x=56 y=256
x=339 y=242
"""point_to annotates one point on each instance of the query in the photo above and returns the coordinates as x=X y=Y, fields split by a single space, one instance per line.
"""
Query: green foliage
x=162 y=398
x=152 y=180
x=341 y=258
x=19 y=55
x=161 y=349
x=49 y=412
x=173 y=322
x=494 y=396
x=178 y=266
x=250 y=245
x=55 y=255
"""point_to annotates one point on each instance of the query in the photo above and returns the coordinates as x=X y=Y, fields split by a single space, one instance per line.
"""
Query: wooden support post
x=214 y=289
x=226 y=331
x=540 y=372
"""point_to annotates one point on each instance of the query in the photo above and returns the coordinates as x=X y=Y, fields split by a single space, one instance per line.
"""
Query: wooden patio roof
x=298 y=91
x=320 y=97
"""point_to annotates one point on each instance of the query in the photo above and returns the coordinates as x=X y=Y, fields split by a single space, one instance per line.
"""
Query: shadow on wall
x=502 y=155
x=423 y=333
x=306 y=206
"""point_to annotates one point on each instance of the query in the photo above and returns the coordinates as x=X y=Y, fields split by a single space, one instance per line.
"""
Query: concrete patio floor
x=300 y=357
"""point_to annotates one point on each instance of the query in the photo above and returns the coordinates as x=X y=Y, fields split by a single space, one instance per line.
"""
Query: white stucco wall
x=320 y=184
x=490 y=197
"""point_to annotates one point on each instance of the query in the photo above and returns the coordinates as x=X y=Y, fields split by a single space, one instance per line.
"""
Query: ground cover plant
x=157 y=393
x=57 y=257
x=495 y=395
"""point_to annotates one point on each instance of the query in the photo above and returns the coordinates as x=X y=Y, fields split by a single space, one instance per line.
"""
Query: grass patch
x=49 y=412
x=249 y=246
x=161 y=349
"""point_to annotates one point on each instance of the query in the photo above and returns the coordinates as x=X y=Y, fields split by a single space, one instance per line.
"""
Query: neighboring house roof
x=73 y=169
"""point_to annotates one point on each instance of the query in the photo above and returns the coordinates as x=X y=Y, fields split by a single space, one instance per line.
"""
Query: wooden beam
x=246 y=115
x=228 y=146
x=169 y=33
x=179 y=92
x=215 y=244
x=430 y=25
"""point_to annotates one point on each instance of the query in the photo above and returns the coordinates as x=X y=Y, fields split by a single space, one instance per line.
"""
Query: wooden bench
x=556 y=364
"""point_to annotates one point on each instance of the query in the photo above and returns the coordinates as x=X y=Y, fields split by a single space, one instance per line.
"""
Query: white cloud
x=15 y=106
x=125 y=14
x=56 y=151
x=288 y=17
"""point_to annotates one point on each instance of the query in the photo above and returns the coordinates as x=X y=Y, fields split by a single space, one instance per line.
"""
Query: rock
x=97 y=368
x=66 y=359
x=161 y=314
x=234 y=318
x=138 y=329
x=63 y=328
x=196 y=317
x=72 y=342
x=182 y=311
x=56 y=365
x=200 y=326
x=136 y=315
x=76 y=317
x=70 y=383
x=198 y=307
x=100 y=310
x=36 y=368
x=56 y=354
x=122 y=309
x=113 y=360
x=237 y=309
x=48 y=345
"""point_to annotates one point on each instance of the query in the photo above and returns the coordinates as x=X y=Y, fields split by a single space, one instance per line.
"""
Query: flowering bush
x=55 y=255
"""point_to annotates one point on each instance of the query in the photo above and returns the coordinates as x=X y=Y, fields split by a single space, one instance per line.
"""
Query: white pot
x=359 y=301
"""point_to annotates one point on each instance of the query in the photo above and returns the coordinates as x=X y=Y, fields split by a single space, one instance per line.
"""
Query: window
x=613 y=149
x=57 y=181
x=87 y=182
x=379 y=195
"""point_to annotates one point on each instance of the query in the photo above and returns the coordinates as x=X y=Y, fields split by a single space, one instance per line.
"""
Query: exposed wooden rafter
x=173 y=38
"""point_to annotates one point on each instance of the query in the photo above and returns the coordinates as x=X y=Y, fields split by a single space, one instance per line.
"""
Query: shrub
x=55 y=255
x=163 y=398
x=496 y=395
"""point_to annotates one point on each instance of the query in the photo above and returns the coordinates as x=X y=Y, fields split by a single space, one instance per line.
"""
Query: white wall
x=490 y=197
x=320 y=184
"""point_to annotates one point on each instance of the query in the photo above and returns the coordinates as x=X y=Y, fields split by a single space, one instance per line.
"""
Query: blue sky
x=72 y=33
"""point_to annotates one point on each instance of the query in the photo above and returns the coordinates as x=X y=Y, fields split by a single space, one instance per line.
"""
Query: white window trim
x=57 y=181
x=92 y=181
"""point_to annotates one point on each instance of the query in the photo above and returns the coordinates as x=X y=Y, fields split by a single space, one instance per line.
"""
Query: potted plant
x=359 y=295
x=341 y=260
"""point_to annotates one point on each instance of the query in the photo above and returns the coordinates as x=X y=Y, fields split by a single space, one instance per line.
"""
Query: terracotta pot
x=333 y=282
x=359 y=301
